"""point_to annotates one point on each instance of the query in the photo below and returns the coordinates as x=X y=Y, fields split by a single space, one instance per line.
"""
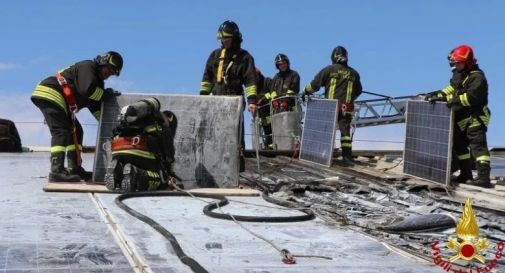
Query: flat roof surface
x=68 y=232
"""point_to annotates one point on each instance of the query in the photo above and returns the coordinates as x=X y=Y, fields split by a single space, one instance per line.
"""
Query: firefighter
x=285 y=86
x=467 y=95
x=228 y=68
x=59 y=98
x=142 y=148
x=342 y=83
x=263 y=107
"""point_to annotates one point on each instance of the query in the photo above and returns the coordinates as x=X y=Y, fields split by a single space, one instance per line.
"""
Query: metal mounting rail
x=386 y=110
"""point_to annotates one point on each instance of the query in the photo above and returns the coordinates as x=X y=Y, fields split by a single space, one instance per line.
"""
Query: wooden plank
x=480 y=198
x=75 y=187
x=481 y=189
x=227 y=191
x=93 y=187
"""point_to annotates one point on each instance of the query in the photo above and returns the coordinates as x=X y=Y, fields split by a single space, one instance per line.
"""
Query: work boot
x=465 y=172
x=58 y=172
x=483 y=176
x=129 y=181
x=77 y=170
x=347 y=156
x=114 y=175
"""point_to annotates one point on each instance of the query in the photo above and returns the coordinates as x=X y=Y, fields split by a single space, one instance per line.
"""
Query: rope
x=287 y=257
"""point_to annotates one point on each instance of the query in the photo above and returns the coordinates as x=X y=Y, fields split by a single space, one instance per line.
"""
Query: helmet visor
x=221 y=35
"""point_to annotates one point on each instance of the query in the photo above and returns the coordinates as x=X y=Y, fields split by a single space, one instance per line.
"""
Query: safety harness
x=70 y=99
x=128 y=143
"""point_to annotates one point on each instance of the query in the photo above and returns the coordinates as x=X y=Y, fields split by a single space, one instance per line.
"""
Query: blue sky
x=398 y=47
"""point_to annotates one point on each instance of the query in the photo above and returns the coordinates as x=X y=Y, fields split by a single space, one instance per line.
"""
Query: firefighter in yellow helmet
x=228 y=69
x=59 y=97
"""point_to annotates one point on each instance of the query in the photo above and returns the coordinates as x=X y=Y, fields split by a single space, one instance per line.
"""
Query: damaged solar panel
x=206 y=141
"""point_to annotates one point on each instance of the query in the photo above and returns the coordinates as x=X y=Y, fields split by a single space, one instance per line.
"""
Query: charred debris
x=373 y=197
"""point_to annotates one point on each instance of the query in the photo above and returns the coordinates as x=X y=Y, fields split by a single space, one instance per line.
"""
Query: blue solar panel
x=428 y=141
x=318 y=135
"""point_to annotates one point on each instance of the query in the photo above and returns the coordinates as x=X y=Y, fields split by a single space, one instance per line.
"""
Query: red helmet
x=463 y=54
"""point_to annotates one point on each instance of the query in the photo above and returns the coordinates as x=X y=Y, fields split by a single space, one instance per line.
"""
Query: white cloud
x=9 y=66
x=30 y=121
x=39 y=59
x=118 y=84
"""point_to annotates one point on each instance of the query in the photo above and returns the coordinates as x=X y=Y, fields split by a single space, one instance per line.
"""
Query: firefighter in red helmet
x=467 y=94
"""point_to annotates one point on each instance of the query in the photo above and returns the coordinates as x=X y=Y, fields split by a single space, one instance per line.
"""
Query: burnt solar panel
x=318 y=135
x=206 y=141
x=428 y=141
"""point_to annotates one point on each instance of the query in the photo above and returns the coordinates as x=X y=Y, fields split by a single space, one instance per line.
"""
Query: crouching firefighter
x=142 y=148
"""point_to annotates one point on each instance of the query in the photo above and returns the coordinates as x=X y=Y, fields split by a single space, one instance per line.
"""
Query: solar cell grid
x=428 y=141
x=318 y=135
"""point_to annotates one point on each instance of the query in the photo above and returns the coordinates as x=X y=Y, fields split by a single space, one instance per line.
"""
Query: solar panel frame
x=207 y=126
x=313 y=149
x=428 y=141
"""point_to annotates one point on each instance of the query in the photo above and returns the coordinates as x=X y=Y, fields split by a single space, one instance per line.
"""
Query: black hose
x=207 y=210
x=194 y=265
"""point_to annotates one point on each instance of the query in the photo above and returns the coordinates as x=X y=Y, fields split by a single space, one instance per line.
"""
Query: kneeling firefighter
x=142 y=148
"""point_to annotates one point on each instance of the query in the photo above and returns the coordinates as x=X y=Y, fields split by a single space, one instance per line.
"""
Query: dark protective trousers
x=473 y=138
x=266 y=123
x=59 y=124
x=344 y=125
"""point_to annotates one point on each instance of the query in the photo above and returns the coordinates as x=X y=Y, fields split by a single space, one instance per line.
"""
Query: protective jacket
x=225 y=73
x=87 y=86
x=468 y=94
x=154 y=144
x=147 y=144
x=341 y=82
x=285 y=83
x=263 y=87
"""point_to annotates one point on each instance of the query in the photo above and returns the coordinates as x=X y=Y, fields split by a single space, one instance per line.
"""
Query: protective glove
x=433 y=97
x=433 y=100
x=305 y=97
x=110 y=93
x=262 y=101
x=452 y=103
x=429 y=96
